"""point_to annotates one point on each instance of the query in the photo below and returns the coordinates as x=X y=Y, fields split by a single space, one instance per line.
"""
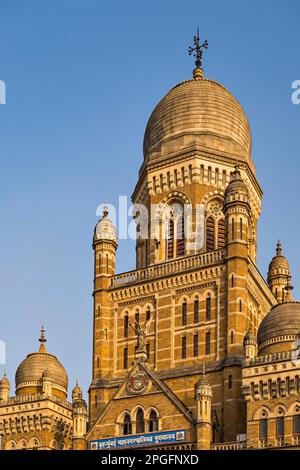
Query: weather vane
x=198 y=49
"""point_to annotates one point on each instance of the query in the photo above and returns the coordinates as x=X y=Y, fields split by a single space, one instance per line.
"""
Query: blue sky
x=82 y=78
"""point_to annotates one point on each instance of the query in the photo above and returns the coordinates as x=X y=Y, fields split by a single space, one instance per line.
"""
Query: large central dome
x=202 y=112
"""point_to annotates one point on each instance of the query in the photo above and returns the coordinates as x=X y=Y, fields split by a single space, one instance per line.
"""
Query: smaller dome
x=280 y=328
x=236 y=186
x=76 y=392
x=37 y=366
x=4 y=382
x=105 y=229
x=249 y=338
x=279 y=264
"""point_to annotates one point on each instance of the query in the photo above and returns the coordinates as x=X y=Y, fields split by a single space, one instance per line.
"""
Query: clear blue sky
x=82 y=78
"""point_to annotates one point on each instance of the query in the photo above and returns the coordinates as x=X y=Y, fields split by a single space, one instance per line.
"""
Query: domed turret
x=105 y=229
x=281 y=327
x=201 y=112
x=278 y=274
x=38 y=368
x=76 y=393
x=4 y=388
x=237 y=189
x=250 y=345
x=79 y=418
x=203 y=397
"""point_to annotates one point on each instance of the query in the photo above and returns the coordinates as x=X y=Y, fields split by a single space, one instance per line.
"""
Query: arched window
x=126 y=325
x=231 y=337
x=196 y=310
x=263 y=429
x=127 y=428
x=229 y=381
x=241 y=229
x=170 y=243
x=221 y=234
x=184 y=313
x=107 y=264
x=208 y=307
x=140 y=422
x=280 y=426
x=148 y=314
x=296 y=424
x=180 y=235
x=183 y=347
x=210 y=234
x=196 y=345
x=207 y=342
x=232 y=229
x=153 y=421
x=125 y=358
x=175 y=231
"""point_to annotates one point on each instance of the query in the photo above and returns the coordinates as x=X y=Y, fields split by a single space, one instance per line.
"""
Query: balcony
x=166 y=268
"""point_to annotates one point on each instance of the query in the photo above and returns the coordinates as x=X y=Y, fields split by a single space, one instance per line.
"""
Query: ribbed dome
x=38 y=366
x=281 y=325
x=205 y=110
x=34 y=366
x=279 y=264
x=237 y=188
x=105 y=229
x=4 y=382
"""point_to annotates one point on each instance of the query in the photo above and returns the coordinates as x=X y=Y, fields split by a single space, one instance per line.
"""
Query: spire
x=105 y=209
x=236 y=175
x=198 y=52
x=42 y=340
x=278 y=248
x=289 y=288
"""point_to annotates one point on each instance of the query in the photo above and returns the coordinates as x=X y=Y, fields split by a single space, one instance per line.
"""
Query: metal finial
x=105 y=209
x=197 y=49
x=42 y=340
x=278 y=248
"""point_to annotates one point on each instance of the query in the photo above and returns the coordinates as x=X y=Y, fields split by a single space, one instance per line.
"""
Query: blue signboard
x=139 y=440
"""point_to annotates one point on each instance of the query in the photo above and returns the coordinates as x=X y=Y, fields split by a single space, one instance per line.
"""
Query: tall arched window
x=153 y=421
x=170 y=241
x=208 y=307
x=140 y=422
x=280 y=426
x=127 y=427
x=180 y=235
x=263 y=429
x=221 y=234
x=210 y=234
x=126 y=325
x=175 y=245
x=296 y=424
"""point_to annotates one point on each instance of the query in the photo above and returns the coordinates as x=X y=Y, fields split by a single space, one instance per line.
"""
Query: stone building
x=39 y=417
x=189 y=306
x=193 y=349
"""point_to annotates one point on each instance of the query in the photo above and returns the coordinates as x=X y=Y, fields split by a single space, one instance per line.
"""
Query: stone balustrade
x=168 y=267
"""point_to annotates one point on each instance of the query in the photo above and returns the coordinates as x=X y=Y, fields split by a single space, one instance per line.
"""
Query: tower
x=79 y=419
x=278 y=274
x=4 y=389
x=203 y=397
x=197 y=202
x=250 y=345
x=105 y=245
